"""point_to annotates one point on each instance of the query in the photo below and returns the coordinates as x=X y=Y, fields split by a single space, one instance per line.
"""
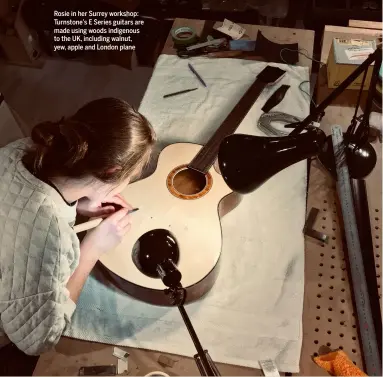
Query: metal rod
x=359 y=192
x=201 y=353
x=313 y=116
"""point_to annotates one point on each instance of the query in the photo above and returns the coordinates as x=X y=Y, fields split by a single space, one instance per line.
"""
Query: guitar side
x=193 y=220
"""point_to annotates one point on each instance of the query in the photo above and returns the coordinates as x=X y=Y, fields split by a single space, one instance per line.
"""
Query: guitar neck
x=203 y=161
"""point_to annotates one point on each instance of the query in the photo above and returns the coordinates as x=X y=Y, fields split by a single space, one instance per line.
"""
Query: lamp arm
x=204 y=362
x=376 y=57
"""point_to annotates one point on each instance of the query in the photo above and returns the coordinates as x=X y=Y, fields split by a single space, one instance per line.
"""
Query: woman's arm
x=77 y=280
x=98 y=241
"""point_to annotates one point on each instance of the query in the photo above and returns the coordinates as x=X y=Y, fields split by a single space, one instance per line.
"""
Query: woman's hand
x=88 y=208
x=107 y=235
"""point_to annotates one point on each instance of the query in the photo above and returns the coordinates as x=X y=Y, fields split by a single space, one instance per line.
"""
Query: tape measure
x=372 y=357
x=184 y=36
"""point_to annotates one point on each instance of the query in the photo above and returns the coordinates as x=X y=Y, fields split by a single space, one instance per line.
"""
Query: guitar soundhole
x=188 y=184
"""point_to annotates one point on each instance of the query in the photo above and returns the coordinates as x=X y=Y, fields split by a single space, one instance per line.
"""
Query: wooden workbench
x=328 y=313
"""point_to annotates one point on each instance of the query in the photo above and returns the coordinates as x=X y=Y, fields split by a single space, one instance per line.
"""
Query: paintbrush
x=93 y=223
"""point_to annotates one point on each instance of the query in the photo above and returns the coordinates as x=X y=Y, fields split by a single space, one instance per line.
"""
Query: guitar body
x=184 y=202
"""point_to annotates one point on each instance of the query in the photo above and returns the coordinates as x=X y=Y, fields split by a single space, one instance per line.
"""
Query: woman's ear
x=113 y=170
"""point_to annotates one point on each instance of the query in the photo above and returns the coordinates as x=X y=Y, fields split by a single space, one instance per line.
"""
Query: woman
x=80 y=163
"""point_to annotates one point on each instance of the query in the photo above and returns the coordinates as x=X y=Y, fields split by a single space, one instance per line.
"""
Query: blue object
x=242 y=45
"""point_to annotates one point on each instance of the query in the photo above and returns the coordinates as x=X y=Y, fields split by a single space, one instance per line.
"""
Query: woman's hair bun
x=43 y=134
x=64 y=142
x=76 y=137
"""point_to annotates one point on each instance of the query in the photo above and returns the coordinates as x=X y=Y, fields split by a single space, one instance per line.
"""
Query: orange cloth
x=338 y=363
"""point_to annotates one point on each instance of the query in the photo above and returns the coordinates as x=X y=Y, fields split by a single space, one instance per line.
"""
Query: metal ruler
x=372 y=357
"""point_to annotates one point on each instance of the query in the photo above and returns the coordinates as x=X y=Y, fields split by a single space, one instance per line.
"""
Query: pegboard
x=329 y=319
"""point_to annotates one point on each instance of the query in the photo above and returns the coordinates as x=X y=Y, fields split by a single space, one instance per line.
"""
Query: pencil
x=180 y=92
x=93 y=223
x=197 y=75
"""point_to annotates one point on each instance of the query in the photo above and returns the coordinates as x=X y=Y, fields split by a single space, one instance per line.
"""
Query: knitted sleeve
x=38 y=253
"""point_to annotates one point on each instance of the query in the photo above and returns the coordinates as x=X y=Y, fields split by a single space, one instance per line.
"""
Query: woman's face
x=108 y=190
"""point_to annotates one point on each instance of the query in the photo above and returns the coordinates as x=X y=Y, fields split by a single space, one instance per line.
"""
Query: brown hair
x=106 y=138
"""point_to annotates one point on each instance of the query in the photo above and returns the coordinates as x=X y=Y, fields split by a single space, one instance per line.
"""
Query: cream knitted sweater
x=38 y=253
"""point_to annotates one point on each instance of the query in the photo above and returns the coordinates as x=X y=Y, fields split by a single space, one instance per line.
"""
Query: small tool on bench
x=308 y=228
x=180 y=92
x=98 y=370
x=276 y=98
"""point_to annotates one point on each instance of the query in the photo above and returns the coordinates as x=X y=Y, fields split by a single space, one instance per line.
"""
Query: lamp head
x=246 y=162
x=156 y=255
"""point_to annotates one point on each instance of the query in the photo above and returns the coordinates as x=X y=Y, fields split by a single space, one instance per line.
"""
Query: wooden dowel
x=87 y=225
x=93 y=223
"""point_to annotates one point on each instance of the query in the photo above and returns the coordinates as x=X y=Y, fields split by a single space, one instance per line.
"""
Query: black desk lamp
x=156 y=255
x=246 y=162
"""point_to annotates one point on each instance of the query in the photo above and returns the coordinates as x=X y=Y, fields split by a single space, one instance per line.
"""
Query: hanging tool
x=308 y=228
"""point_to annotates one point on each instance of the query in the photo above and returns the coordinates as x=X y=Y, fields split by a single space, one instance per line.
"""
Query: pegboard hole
x=316 y=342
x=332 y=266
x=321 y=264
x=332 y=256
x=323 y=227
x=377 y=237
x=324 y=218
x=319 y=296
x=331 y=298
x=354 y=338
x=377 y=227
x=324 y=201
x=376 y=210
x=342 y=301
x=328 y=344
x=330 y=309
x=318 y=307
x=330 y=320
x=353 y=350
x=334 y=229
x=324 y=210
x=342 y=312
x=341 y=335
x=378 y=265
x=377 y=255
x=329 y=332
x=334 y=238
x=320 y=275
x=341 y=323
x=354 y=362
x=354 y=326
x=319 y=285
x=378 y=276
x=321 y=254
x=331 y=287
x=315 y=354
x=340 y=347
x=332 y=277
x=316 y=330
x=317 y=318
x=343 y=279
x=333 y=247
x=377 y=246
x=322 y=245
x=343 y=290
x=377 y=218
